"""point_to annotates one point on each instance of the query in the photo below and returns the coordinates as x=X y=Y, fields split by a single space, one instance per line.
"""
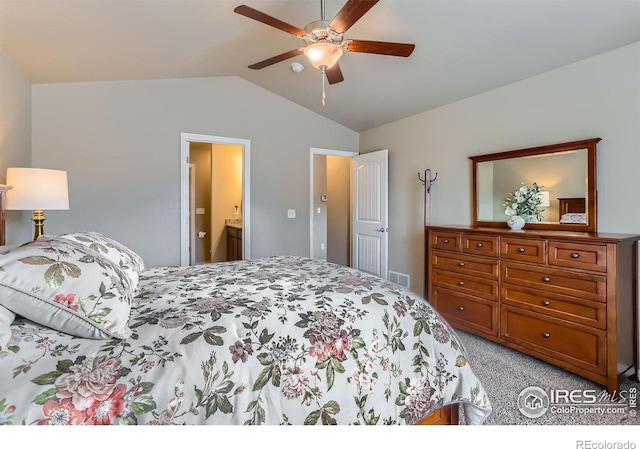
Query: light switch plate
x=291 y=213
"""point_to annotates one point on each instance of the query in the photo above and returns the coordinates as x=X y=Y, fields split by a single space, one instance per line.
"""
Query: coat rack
x=427 y=181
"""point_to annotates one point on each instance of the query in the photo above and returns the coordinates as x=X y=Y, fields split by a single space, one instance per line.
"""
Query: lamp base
x=38 y=223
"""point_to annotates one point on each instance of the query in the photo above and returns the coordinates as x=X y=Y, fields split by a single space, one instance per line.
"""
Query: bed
x=274 y=340
x=572 y=210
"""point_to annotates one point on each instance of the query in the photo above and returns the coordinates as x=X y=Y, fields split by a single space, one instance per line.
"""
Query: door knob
x=381 y=229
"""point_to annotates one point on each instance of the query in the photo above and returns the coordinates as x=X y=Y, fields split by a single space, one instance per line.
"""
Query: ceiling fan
x=324 y=40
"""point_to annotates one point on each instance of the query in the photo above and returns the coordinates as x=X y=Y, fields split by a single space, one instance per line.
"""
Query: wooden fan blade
x=350 y=13
x=334 y=74
x=380 y=48
x=270 y=61
x=254 y=14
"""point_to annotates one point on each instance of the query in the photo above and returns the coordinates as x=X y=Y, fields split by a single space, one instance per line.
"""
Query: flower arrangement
x=526 y=202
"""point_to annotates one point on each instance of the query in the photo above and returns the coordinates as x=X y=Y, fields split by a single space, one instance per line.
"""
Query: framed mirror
x=564 y=172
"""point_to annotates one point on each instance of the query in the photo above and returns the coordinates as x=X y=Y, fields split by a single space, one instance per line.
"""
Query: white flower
x=524 y=201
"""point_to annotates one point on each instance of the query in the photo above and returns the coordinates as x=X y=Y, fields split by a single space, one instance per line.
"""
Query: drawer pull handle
x=461 y=309
x=545 y=279
x=575 y=255
x=546 y=335
x=545 y=303
x=445 y=241
x=461 y=283
x=520 y=250
x=479 y=245
x=461 y=264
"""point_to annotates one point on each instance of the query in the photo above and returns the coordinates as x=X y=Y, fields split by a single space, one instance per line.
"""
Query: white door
x=369 y=192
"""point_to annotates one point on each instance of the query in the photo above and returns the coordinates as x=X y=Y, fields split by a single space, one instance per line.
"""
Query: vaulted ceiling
x=463 y=47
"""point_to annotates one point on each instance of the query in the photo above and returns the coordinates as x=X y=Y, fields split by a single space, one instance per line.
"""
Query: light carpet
x=505 y=372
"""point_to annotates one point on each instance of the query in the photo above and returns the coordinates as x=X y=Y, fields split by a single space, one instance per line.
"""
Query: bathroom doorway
x=215 y=193
x=217 y=201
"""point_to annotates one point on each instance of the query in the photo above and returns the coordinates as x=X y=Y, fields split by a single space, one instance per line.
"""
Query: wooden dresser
x=568 y=298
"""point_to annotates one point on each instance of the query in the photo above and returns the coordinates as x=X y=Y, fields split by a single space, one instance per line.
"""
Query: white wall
x=15 y=139
x=597 y=97
x=120 y=143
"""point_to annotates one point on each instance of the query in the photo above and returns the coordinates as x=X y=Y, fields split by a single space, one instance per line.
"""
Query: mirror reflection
x=565 y=173
x=562 y=178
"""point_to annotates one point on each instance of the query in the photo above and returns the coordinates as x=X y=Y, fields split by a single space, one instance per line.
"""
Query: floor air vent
x=400 y=278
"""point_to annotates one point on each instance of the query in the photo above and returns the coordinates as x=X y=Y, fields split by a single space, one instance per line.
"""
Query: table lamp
x=37 y=189
x=544 y=198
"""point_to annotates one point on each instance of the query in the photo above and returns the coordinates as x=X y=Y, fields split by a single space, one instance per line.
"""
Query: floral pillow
x=67 y=286
x=6 y=318
x=129 y=261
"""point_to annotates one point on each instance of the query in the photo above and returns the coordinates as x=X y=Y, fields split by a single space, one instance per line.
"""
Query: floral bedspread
x=278 y=340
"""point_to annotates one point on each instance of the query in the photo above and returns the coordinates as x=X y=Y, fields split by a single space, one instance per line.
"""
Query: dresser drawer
x=477 y=266
x=582 y=285
x=569 y=343
x=448 y=241
x=523 y=250
x=466 y=312
x=484 y=288
x=576 y=255
x=578 y=310
x=483 y=245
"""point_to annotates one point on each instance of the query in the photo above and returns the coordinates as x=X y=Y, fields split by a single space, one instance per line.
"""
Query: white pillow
x=128 y=260
x=6 y=318
x=67 y=286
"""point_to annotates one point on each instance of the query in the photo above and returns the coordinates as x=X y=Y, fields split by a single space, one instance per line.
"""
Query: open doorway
x=215 y=209
x=330 y=226
x=215 y=202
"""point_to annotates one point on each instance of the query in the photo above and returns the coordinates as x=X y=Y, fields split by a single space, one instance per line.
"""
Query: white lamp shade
x=37 y=189
x=323 y=54
x=544 y=198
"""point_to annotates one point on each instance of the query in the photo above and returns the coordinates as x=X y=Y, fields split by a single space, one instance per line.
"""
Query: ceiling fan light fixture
x=323 y=54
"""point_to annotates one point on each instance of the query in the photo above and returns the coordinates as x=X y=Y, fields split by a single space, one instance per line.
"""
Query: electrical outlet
x=291 y=213
x=322 y=246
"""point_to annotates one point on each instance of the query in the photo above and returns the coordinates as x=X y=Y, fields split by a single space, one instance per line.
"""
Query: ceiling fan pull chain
x=324 y=70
